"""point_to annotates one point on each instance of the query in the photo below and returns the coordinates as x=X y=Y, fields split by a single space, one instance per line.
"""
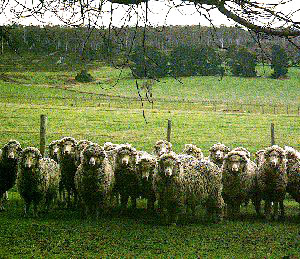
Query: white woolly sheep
x=217 y=153
x=127 y=180
x=193 y=150
x=80 y=146
x=145 y=166
x=94 y=180
x=293 y=172
x=177 y=185
x=111 y=151
x=8 y=167
x=246 y=151
x=38 y=179
x=238 y=178
x=259 y=157
x=272 y=180
x=161 y=147
x=67 y=162
x=54 y=150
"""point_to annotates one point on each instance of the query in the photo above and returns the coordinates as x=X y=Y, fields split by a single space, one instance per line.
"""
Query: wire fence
x=32 y=129
x=118 y=101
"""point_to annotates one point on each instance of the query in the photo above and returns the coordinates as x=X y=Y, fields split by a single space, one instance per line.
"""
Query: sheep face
x=67 y=147
x=274 y=159
x=188 y=149
x=54 y=150
x=168 y=166
x=93 y=156
x=218 y=155
x=11 y=151
x=259 y=157
x=146 y=166
x=81 y=145
x=125 y=158
x=162 y=147
x=30 y=158
x=236 y=164
x=292 y=157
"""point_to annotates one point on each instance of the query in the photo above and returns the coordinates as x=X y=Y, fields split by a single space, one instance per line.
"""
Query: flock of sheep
x=96 y=178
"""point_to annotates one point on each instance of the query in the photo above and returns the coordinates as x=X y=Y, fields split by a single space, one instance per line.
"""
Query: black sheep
x=8 y=167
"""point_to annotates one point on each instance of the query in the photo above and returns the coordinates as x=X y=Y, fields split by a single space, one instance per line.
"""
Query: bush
x=279 y=61
x=84 y=77
x=242 y=62
x=148 y=62
x=190 y=61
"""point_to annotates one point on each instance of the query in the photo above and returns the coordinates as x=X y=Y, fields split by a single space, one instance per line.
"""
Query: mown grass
x=63 y=233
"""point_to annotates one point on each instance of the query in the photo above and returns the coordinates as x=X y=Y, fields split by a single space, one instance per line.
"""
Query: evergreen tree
x=279 y=61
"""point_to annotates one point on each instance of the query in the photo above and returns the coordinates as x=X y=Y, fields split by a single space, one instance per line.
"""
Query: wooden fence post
x=272 y=134
x=43 y=134
x=169 y=131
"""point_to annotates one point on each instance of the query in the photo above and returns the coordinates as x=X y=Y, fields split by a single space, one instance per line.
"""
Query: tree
x=242 y=62
x=255 y=15
x=279 y=61
x=187 y=60
x=148 y=62
x=276 y=18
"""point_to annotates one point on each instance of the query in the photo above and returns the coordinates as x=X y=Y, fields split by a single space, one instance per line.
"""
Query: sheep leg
x=237 y=210
x=133 y=202
x=150 y=203
x=268 y=210
x=218 y=214
x=282 y=211
x=69 y=199
x=257 y=206
x=26 y=208
x=275 y=210
x=124 y=200
x=230 y=210
x=35 y=209
x=1 y=202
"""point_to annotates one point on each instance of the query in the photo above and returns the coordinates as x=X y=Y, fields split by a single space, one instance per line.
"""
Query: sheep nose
x=27 y=165
x=67 y=152
x=125 y=161
x=273 y=163
x=92 y=161
x=168 y=172
x=235 y=168
x=11 y=155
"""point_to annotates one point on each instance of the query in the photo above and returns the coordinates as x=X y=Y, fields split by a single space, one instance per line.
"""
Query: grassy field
x=95 y=112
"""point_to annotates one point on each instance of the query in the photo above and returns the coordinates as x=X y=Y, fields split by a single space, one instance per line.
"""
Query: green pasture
x=42 y=78
x=22 y=121
x=62 y=233
x=203 y=110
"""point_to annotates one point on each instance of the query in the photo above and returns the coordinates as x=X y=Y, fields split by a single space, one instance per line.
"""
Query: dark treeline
x=98 y=43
